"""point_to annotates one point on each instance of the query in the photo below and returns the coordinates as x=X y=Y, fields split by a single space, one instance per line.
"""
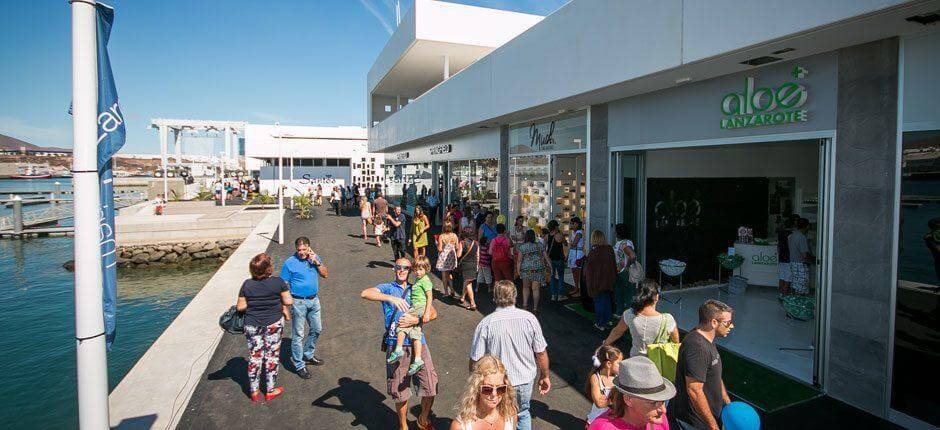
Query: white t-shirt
x=798 y=244
x=644 y=329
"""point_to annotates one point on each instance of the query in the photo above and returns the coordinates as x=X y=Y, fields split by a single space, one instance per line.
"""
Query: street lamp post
x=222 y=162
x=280 y=185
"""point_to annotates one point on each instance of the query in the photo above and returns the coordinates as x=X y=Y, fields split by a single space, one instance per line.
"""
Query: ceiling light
x=684 y=80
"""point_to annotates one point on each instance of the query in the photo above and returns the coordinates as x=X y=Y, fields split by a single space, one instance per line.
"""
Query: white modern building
x=685 y=120
x=307 y=156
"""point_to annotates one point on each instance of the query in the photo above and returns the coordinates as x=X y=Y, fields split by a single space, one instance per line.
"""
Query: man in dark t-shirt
x=701 y=391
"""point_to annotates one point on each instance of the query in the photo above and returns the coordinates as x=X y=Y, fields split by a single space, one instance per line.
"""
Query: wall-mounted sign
x=441 y=149
x=563 y=132
x=760 y=106
x=402 y=156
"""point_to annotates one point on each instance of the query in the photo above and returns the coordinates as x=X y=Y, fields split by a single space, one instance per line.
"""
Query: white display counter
x=760 y=263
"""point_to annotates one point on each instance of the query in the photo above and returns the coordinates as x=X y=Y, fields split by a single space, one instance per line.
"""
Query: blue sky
x=299 y=62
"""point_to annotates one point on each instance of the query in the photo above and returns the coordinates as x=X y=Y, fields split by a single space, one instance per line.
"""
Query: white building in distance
x=311 y=155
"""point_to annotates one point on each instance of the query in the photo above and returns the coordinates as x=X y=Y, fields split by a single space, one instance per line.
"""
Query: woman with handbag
x=555 y=248
x=624 y=251
x=532 y=265
x=468 y=256
x=600 y=273
x=646 y=324
x=265 y=300
x=576 y=253
x=448 y=245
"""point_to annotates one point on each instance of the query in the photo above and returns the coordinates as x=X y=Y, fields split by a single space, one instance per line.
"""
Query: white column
x=398 y=103
x=228 y=144
x=90 y=355
x=446 y=67
x=164 y=135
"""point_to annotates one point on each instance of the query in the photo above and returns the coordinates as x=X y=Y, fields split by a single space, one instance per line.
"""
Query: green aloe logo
x=759 y=106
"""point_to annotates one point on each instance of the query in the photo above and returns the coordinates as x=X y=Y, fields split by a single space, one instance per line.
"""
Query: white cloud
x=42 y=136
x=378 y=15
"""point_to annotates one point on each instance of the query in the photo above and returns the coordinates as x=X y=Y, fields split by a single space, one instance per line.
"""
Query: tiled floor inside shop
x=761 y=328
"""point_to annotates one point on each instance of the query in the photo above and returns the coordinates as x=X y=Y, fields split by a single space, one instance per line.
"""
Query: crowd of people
x=508 y=357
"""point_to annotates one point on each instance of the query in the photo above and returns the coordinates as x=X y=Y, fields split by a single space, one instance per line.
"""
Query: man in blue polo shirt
x=396 y=299
x=302 y=272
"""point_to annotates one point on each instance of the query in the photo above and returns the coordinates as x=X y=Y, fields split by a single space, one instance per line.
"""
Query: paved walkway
x=349 y=390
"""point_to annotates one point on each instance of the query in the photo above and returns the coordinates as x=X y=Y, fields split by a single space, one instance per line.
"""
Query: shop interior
x=725 y=204
x=475 y=181
x=548 y=187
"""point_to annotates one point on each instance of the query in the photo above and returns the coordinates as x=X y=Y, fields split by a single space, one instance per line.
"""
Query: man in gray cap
x=639 y=399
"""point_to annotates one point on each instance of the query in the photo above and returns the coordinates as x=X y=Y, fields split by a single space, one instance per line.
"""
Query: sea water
x=37 y=322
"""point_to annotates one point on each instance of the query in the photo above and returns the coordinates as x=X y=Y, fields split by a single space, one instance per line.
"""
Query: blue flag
x=111 y=136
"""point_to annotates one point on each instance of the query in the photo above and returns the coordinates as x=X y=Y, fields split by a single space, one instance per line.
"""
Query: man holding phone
x=302 y=272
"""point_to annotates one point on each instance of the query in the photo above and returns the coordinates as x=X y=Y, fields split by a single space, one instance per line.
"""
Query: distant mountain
x=7 y=142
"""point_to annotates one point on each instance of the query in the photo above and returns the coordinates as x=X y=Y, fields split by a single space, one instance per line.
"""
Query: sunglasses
x=726 y=323
x=488 y=390
x=399 y=268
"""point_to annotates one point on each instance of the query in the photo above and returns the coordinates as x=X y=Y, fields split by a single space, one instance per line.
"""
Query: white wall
x=620 y=48
x=304 y=141
x=471 y=146
x=799 y=159
x=305 y=178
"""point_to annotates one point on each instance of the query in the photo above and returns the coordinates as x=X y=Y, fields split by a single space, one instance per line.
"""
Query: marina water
x=38 y=319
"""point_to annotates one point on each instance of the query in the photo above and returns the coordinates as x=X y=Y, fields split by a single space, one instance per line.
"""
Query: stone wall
x=140 y=256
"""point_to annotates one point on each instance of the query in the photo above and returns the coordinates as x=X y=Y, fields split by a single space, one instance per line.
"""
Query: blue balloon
x=739 y=416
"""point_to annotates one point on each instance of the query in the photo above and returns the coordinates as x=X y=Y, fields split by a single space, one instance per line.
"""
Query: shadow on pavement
x=373 y=264
x=360 y=399
x=558 y=419
x=236 y=369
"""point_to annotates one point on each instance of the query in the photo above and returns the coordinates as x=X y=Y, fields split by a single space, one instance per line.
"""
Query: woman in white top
x=575 y=253
x=365 y=212
x=488 y=402
x=601 y=379
x=644 y=321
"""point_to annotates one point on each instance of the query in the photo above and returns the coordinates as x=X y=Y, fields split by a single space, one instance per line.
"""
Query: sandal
x=270 y=395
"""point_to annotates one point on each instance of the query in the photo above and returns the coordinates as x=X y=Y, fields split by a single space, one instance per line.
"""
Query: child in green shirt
x=421 y=296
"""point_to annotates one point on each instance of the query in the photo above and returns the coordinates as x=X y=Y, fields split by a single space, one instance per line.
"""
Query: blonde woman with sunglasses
x=488 y=403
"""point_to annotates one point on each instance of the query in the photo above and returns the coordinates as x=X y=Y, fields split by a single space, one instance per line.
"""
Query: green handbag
x=663 y=353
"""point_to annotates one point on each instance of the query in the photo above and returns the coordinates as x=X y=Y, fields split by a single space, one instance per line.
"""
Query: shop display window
x=401 y=177
x=476 y=181
x=530 y=188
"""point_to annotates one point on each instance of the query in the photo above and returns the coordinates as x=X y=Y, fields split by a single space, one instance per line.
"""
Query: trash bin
x=737 y=284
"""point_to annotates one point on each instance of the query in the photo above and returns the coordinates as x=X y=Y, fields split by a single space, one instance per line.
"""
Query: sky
x=300 y=62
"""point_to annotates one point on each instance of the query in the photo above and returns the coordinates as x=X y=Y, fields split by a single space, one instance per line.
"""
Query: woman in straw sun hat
x=638 y=401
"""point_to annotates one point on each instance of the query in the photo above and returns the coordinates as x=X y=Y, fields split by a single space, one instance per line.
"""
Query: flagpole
x=91 y=356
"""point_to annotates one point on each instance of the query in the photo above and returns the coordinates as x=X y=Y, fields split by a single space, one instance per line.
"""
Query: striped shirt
x=514 y=336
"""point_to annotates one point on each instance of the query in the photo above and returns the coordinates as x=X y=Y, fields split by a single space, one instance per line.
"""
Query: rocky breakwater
x=141 y=256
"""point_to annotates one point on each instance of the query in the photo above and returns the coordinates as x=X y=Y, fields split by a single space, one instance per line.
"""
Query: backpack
x=500 y=249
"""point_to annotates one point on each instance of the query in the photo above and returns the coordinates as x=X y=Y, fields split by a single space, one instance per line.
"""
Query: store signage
x=306 y=178
x=764 y=259
x=402 y=156
x=441 y=149
x=540 y=141
x=756 y=107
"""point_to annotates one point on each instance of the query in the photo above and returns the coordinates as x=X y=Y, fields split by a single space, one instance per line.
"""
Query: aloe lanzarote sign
x=760 y=106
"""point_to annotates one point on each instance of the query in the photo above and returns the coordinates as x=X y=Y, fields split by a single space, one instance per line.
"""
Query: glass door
x=627 y=192
x=821 y=205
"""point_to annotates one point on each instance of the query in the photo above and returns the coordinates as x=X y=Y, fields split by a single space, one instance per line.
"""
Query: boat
x=32 y=172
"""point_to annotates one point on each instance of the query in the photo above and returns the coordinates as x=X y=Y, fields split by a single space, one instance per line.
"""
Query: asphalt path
x=349 y=390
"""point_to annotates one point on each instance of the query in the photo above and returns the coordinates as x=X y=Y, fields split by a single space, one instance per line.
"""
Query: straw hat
x=639 y=377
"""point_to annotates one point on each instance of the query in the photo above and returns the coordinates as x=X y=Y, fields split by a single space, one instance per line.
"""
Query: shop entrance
x=718 y=215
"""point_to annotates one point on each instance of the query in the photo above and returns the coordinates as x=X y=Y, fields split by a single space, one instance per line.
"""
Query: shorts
x=379 y=229
x=573 y=256
x=485 y=275
x=414 y=332
x=398 y=381
x=783 y=269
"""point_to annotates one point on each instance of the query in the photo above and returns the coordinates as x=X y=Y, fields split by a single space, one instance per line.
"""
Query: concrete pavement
x=349 y=390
